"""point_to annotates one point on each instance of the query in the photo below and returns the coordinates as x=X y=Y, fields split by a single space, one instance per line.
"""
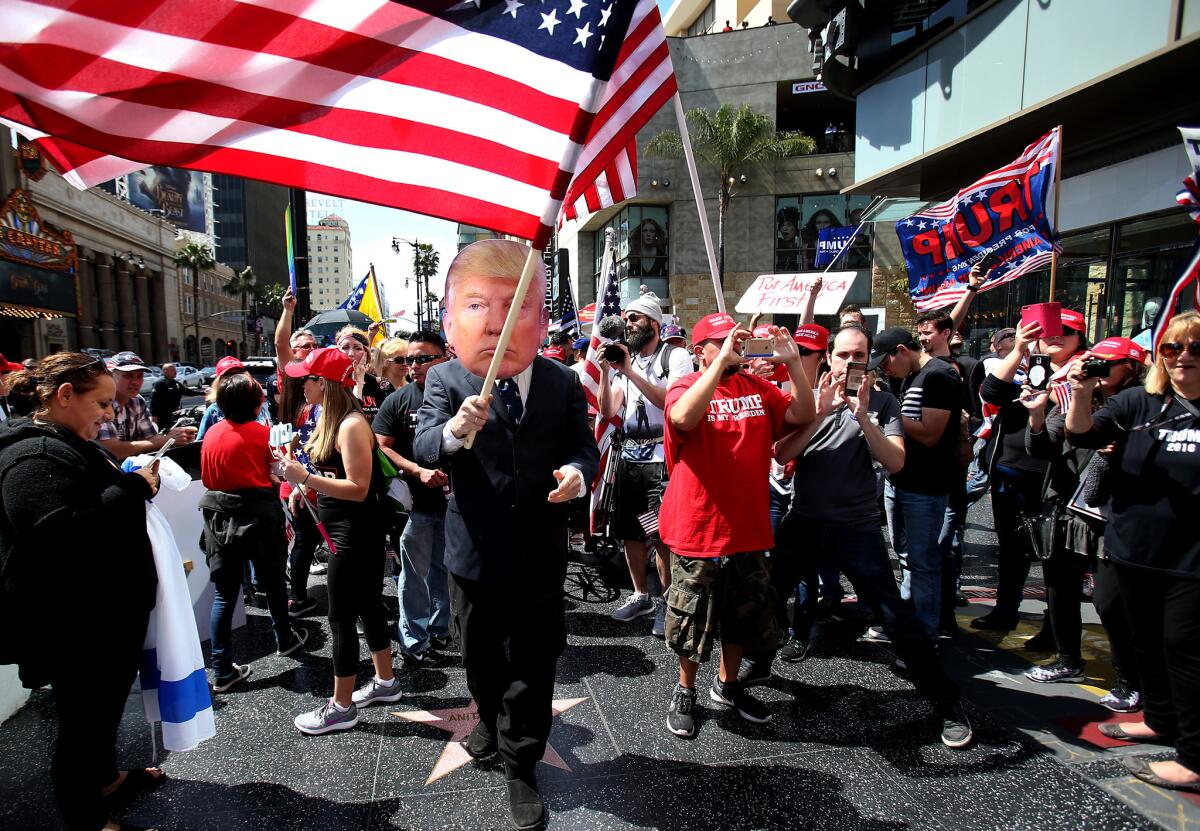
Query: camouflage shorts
x=727 y=597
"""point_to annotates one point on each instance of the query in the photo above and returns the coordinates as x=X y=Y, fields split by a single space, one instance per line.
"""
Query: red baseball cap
x=713 y=327
x=812 y=336
x=327 y=363
x=228 y=364
x=1118 y=349
x=555 y=352
x=1072 y=319
x=8 y=366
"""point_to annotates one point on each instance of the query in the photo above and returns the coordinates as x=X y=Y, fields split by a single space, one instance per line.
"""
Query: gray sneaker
x=638 y=605
x=374 y=692
x=326 y=719
x=659 y=630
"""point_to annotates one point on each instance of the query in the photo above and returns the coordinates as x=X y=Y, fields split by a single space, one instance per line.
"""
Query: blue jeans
x=926 y=531
x=422 y=584
x=221 y=620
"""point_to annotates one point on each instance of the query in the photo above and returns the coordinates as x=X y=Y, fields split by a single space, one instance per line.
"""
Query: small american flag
x=480 y=112
x=608 y=304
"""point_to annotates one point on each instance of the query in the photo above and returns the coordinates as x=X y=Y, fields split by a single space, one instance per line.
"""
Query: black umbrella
x=327 y=324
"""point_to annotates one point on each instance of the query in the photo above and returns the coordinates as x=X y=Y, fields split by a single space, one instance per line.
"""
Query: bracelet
x=972 y=288
x=305 y=480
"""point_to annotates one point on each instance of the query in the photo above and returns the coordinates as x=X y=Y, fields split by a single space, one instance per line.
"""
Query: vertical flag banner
x=365 y=298
x=831 y=241
x=291 y=250
x=1002 y=215
x=1189 y=197
x=609 y=304
x=476 y=112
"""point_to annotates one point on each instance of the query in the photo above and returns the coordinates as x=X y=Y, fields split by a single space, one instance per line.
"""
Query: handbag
x=1041 y=533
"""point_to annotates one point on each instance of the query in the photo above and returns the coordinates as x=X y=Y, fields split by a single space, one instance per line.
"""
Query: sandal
x=1116 y=731
x=1139 y=766
x=136 y=782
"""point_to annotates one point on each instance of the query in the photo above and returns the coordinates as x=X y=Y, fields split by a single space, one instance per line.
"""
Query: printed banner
x=788 y=293
x=830 y=242
x=1001 y=216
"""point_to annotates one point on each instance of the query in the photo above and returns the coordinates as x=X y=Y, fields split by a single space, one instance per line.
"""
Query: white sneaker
x=374 y=692
x=638 y=605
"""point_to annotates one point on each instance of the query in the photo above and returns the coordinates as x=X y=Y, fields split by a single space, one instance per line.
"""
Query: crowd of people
x=747 y=487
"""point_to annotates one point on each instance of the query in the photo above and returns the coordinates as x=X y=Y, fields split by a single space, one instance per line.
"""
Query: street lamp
x=425 y=265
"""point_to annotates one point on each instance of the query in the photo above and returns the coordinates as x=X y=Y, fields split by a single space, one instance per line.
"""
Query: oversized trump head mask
x=480 y=286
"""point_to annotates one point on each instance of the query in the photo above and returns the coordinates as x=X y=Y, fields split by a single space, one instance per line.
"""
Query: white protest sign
x=788 y=293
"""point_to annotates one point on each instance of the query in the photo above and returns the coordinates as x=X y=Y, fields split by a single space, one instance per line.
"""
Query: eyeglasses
x=635 y=317
x=308 y=346
x=1172 y=349
x=415 y=360
x=311 y=378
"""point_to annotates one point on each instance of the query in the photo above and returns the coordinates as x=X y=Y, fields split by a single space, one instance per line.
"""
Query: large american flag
x=480 y=112
x=608 y=304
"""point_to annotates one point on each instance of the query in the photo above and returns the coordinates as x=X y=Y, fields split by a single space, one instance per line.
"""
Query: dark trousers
x=1107 y=600
x=355 y=588
x=860 y=552
x=307 y=538
x=1064 y=573
x=1011 y=494
x=89 y=699
x=1165 y=612
x=511 y=634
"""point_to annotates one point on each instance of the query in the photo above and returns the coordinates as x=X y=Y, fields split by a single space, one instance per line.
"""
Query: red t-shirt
x=717 y=500
x=235 y=457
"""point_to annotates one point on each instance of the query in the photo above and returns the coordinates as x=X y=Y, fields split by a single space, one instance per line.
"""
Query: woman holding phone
x=349 y=485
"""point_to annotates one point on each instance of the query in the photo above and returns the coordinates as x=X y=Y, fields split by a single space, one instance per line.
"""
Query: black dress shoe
x=481 y=743
x=993 y=622
x=528 y=812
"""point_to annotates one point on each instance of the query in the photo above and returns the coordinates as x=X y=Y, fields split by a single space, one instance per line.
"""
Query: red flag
x=479 y=112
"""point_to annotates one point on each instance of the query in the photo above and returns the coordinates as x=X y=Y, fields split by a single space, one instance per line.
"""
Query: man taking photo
x=647 y=367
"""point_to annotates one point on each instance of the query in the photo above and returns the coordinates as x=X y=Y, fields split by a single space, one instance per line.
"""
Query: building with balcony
x=330 y=270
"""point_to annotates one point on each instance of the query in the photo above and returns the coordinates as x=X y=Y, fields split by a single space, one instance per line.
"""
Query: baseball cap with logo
x=713 y=327
x=1072 y=319
x=326 y=363
x=1117 y=349
x=228 y=364
x=580 y=343
x=886 y=342
x=672 y=332
x=127 y=362
x=812 y=336
x=556 y=353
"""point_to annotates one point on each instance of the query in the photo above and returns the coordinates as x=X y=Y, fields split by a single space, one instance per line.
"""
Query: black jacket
x=240 y=526
x=77 y=566
x=497 y=518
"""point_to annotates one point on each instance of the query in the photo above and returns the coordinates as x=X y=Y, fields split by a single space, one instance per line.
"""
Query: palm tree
x=727 y=140
x=196 y=257
x=426 y=262
x=242 y=283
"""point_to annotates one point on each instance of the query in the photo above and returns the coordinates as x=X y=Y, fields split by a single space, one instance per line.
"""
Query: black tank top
x=333 y=509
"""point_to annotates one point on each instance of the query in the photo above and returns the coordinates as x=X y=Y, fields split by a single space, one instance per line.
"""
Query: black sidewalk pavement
x=851 y=746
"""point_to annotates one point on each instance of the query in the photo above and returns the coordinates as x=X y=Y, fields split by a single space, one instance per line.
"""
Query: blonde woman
x=355 y=344
x=391 y=364
x=347 y=479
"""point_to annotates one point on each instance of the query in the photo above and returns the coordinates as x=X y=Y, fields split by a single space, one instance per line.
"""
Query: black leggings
x=1012 y=494
x=355 y=586
x=1063 y=574
x=1107 y=600
x=308 y=538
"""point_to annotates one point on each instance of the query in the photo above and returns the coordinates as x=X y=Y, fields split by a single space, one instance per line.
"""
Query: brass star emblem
x=459 y=722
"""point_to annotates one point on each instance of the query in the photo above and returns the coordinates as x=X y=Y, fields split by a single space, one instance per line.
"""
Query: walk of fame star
x=459 y=722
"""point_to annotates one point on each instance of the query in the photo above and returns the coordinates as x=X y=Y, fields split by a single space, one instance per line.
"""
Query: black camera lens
x=613 y=353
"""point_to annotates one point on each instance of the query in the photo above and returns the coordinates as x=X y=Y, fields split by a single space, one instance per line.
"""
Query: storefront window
x=642 y=251
x=799 y=220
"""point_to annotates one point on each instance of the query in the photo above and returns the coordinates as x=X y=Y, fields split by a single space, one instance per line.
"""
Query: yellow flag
x=372 y=306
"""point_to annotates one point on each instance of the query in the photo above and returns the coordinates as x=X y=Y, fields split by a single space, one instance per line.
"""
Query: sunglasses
x=415 y=360
x=635 y=317
x=309 y=346
x=311 y=378
x=1172 y=349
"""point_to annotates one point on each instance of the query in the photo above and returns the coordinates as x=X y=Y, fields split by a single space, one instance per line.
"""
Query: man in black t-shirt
x=930 y=404
x=165 y=398
x=422 y=587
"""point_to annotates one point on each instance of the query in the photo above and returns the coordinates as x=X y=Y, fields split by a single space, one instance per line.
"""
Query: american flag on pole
x=609 y=303
x=641 y=84
x=480 y=112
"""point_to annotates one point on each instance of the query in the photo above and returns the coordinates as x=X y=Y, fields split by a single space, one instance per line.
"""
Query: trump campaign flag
x=1001 y=216
x=479 y=112
x=831 y=242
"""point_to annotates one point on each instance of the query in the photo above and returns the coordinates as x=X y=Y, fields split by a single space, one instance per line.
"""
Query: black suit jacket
x=498 y=522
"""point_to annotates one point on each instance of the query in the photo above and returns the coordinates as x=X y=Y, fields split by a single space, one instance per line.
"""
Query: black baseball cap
x=885 y=343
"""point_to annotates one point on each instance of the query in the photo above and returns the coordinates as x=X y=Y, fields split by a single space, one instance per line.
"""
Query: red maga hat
x=327 y=363
x=228 y=364
x=8 y=366
x=713 y=327
x=1118 y=349
x=1072 y=319
x=811 y=336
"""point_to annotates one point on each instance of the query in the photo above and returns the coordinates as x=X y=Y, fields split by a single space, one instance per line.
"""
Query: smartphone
x=758 y=348
x=1049 y=315
x=989 y=259
x=1039 y=371
x=166 y=446
x=854 y=375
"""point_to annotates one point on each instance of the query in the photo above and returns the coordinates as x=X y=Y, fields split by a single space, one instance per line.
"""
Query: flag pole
x=510 y=323
x=681 y=119
x=1057 y=181
x=378 y=298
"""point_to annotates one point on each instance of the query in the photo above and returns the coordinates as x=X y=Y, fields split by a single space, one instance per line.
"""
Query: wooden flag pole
x=510 y=323
x=1057 y=181
x=681 y=119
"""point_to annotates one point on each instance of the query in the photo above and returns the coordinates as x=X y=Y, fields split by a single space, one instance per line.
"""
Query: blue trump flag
x=1002 y=216
x=831 y=242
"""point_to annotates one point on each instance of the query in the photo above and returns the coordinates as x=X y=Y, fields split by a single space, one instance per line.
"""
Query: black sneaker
x=1122 y=699
x=1043 y=641
x=754 y=673
x=1057 y=671
x=735 y=696
x=443 y=643
x=994 y=622
x=681 y=718
x=429 y=659
x=794 y=651
x=300 y=608
x=956 y=726
x=481 y=743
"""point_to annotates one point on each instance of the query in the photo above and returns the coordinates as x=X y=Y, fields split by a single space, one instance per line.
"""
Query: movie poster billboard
x=179 y=194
